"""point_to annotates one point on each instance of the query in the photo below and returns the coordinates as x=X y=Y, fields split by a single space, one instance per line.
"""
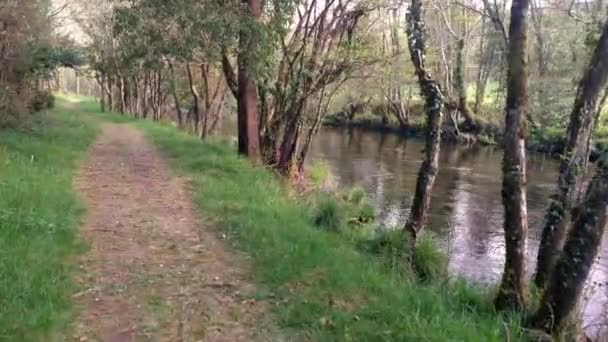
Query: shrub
x=367 y=212
x=328 y=214
x=356 y=195
x=41 y=100
x=12 y=109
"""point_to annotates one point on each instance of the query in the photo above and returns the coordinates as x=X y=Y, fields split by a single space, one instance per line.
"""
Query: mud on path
x=153 y=272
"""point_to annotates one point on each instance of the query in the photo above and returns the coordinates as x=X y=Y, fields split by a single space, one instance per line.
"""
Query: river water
x=466 y=213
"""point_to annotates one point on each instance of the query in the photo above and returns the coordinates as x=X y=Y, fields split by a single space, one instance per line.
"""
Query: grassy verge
x=39 y=213
x=322 y=286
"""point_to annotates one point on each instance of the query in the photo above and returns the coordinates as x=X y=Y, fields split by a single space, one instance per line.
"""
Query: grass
x=39 y=213
x=320 y=284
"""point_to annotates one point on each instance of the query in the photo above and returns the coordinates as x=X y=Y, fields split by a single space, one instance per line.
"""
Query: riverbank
x=39 y=214
x=542 y=140
x=320 y=284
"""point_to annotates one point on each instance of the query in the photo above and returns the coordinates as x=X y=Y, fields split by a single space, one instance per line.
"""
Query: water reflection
x=466 y=211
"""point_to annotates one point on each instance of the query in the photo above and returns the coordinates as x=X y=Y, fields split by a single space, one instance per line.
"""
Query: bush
x=356 y=195
x=12 y=109
x=367 y=212
x=41 y=100
x=328 y=214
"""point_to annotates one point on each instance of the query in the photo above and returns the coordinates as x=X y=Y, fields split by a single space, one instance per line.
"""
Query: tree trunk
x=196 y=107
x=121 y=89
x=136 y=96
x=145 y=95
x=159 y=95
x=247 y=101
x=109 y=90
x=178 y=107
x=574 y=159
x=289 y=142
x=219 y=113
x=572 y=268
x=486 y=56
x=511 y=294
x=431 y=92
x=470 y=123
x=77 y=84
x=102 y=85
x=395 y=97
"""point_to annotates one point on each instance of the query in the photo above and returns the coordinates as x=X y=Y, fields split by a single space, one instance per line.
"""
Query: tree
x=461 y=103
x=433 y=103
x=247 y=96
x=511 y=294
x=574 y=160
x=318 y=50
x=588 y=221
x=572 y=268
x=30 y=52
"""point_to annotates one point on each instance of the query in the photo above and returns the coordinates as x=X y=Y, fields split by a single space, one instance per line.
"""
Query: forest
x=523 y=77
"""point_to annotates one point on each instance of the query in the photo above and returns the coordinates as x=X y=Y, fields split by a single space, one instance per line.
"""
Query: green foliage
x=39 y=214
x=45 y=59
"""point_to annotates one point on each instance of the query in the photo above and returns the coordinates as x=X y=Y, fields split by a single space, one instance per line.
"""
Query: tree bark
x=572 y=268
x=178 y=107
x=288 y=147
x=101 y=79
x=511 y=294
x=160 y=99
x=247 y=100
x=121 y=89
x=196 y=107
x=109 y=90
x=470 y=122
x=145 y=93
x=574 y=160
x=431 y=92
x=136 y=96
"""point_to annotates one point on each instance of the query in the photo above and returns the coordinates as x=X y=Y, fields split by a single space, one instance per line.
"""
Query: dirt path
x=153 y=273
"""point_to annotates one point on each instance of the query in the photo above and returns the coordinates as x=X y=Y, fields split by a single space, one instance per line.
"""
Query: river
x=466 y=212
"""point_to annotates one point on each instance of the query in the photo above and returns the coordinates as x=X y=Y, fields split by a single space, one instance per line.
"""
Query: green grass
x=321 y=285
x=39 y=213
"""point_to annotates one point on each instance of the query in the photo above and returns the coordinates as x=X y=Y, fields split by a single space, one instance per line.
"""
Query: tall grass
x=38 y=216
x=319 y=283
